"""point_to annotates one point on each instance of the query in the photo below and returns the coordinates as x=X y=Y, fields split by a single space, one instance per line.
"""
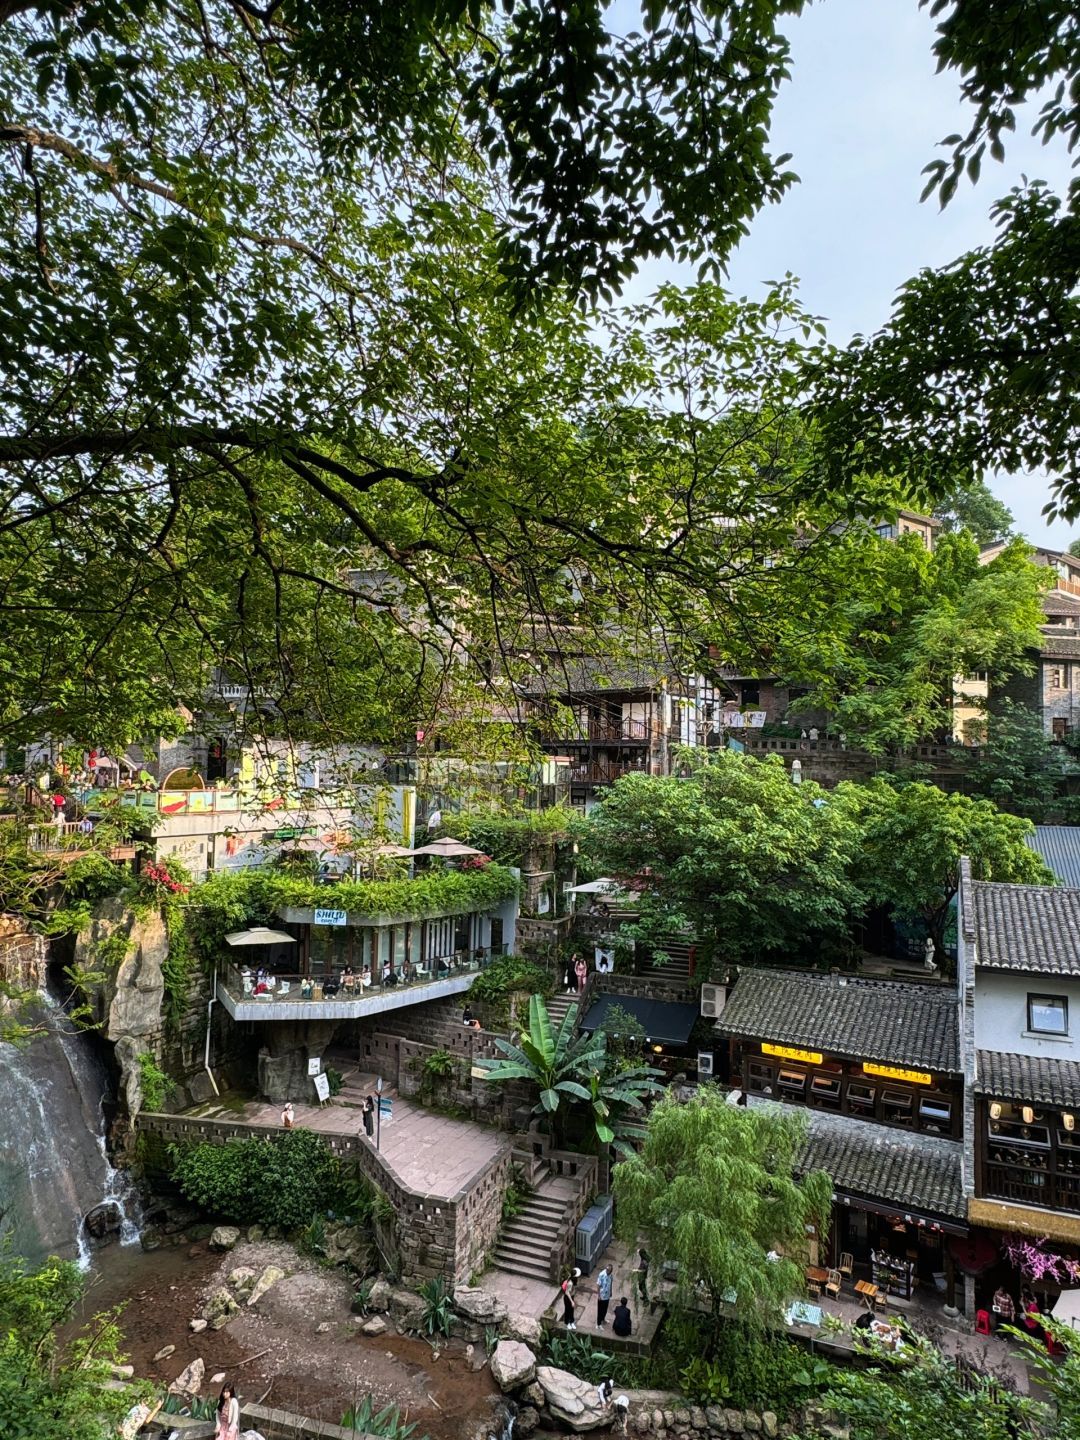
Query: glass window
x=793 y=1082
x=759 y=1077
x=937 y=1112
x=896 y=1107
x=825 y=1090
x=1048 y=1014
x=861 y=1098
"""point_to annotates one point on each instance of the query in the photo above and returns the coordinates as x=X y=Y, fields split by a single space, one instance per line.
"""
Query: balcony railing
x=1033 y=1186
x=72 y=837
x=246 y=983
x=599 y=774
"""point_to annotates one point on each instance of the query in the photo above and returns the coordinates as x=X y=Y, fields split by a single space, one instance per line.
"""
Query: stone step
x=543 y=1209
x=520 y=1261
x=521 y=1228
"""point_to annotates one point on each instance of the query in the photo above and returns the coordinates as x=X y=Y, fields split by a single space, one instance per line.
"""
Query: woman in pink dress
x=581 y=970
x=228 y=1415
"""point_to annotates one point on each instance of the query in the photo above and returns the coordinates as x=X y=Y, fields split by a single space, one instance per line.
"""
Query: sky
x=862 y=115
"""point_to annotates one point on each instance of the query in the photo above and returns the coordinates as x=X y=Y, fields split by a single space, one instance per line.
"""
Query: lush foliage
x=912 y=838
x=49 y=1392
x=906 y=621
x=509 y=975
x=154 y=1082
x=1018 y=768
x=280 y=1181
x=438 y=1307
x=749 y=863
x=231 y=900
x=508 y=836
x=572 y=1073
x=976 y=509
x=713 y=1193
x=625 y=1032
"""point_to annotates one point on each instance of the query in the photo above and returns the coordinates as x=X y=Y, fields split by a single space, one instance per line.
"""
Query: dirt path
x=314 y=1374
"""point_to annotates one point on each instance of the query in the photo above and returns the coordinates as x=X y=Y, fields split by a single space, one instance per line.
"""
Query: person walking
x=567 y=1288
x=640 y=1279
x=228 y=1414
x=569 y=978
x=603 y=1296
x=369 y=1117
x=581 y=972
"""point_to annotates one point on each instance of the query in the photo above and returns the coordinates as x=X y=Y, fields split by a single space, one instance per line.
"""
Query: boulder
x=526 y=1421
x=534 y=1395
x=224 y=1237
x=255 y=1233
x=513 y=1365
x=526 y=1328
x=218 y=1379
x=201 y=1089
x=734 y=1421
x=164 y=1352
x=573 y=1401
x=242 y=1279
x=479 y=1305
x=269 y=1275
x=769 y=1423
x=375 y=1326
x=752 y=1421
x=379 y=1295
x=198 y=1325
x=407 y=1308
x=220 y=1309
x=190 y=1379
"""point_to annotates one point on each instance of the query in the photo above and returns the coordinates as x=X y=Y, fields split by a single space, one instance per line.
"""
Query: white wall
x=1001 y=1014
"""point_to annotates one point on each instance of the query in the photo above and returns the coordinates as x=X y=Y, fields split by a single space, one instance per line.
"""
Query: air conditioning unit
x=713 y=1000
x=705 y=1062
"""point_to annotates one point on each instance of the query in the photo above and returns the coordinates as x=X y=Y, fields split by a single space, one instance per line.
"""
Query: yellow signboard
x=890 y=1072
x=785 y=1052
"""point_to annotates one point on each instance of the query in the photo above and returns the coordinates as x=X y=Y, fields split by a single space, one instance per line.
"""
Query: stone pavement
x=431 y=1153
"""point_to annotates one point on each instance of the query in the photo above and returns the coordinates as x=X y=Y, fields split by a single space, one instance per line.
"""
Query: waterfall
x=54 y=1168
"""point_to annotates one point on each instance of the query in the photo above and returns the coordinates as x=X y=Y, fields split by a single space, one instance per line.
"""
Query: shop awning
x=665 y=1022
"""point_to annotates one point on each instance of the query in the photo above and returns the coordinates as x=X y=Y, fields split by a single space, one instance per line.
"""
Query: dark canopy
x=665 y=1022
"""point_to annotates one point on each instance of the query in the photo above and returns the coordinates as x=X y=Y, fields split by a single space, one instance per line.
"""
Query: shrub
x=286 y=1180
x=155 y=1083
x=335 y=1080
x=508 y=975
x=438 y=1307
x=386 y=1423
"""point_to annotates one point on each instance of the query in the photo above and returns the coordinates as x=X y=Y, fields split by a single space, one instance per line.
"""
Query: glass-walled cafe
x=324 y=954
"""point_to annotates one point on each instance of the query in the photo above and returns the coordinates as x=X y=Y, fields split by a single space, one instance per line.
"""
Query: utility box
x=593 y=1234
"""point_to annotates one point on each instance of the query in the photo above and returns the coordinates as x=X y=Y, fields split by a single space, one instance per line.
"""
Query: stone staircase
x=557 y=1007
x=528 y=1240
x=676 y=967
x=356 y=1085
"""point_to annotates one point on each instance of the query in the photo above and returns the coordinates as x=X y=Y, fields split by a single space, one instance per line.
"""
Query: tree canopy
x=976 y=509
x=912 y=838
x=734 y=853
x=905 y=622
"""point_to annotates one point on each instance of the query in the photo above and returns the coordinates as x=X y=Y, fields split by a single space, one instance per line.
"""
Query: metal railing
x=251 y=983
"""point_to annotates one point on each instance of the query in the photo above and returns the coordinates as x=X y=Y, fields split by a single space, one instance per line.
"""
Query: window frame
x=1047 y=1001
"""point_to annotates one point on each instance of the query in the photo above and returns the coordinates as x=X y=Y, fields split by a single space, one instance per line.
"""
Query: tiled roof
x=1058 y=646
x=586 y=675
x=884 y=1020
x=1037 y=1078
x=1033 y=928
x=1059 y=846
x=1060 y=602
x=913 y=1172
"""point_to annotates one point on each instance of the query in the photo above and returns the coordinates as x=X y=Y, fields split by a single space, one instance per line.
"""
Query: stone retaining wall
x=432 y=1237
x=667 y=1416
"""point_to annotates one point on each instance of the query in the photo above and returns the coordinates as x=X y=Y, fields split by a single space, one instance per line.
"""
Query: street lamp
x=378 y=1111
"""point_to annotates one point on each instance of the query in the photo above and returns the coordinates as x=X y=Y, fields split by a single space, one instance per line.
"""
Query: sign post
x=322 y=1088
x=378 y=1112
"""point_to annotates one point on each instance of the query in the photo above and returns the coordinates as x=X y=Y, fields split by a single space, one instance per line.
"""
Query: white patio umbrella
x=447 y=848
x=260 y=935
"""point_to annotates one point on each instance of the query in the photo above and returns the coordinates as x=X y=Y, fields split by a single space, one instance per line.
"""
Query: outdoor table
x=868 y=1292
x=800 y=1313
x=815 y=1275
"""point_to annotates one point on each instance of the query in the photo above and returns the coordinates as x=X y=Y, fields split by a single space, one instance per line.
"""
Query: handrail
x=244 y=986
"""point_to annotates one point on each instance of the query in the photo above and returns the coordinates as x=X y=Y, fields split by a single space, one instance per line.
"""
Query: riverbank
x=275 y=1352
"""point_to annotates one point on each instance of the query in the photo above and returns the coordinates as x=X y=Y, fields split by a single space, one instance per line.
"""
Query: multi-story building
x=939 y=1108
x=1052 y=689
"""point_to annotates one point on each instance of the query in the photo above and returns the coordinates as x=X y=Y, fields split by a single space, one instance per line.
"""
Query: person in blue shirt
x=603 y=1296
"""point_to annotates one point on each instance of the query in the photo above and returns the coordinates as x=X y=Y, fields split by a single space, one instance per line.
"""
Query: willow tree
x=715 y=1193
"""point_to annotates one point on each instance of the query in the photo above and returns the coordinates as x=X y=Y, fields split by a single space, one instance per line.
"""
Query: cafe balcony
x=250 y=993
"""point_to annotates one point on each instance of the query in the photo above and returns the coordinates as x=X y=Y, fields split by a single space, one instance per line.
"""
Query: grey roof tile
x=913 y=1172
x=1059 y=846
x=1037 y=1078
x=883 y=1020
x=1032 y=928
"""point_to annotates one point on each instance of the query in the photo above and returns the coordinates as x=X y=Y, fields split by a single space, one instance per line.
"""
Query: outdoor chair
x=847 y=1264
x=284 y=986
x=832 y=1284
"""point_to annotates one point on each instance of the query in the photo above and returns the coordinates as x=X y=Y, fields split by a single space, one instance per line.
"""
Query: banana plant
x=569 y=1069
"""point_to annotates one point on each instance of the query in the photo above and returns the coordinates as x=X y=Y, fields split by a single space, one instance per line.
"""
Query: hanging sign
x=890 y=1072
x=330 y=917
x=785 y=1052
